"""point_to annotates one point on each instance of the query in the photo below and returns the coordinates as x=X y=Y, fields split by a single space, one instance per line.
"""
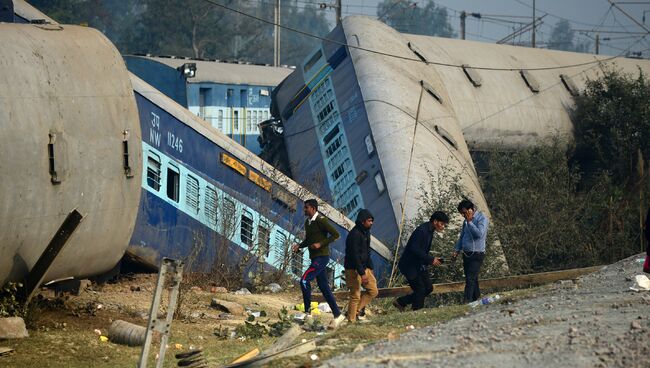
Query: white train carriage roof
x=226 y=72
x=494 y=102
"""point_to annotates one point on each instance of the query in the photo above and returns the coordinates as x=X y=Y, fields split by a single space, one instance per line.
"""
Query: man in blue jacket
x=416 y=257
x=471 y=244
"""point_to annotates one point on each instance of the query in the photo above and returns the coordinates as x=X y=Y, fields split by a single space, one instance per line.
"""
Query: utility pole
x=276 y=34
x=534 y=22
x=597 y=43
x=463 y=15
x=338 y=8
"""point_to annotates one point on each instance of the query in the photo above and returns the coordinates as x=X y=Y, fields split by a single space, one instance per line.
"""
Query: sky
x=588 y=16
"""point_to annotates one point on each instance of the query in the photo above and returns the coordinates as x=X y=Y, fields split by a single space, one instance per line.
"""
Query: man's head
x=311 y=207
x=365 y=219
x=439 y=220
x=466 y=208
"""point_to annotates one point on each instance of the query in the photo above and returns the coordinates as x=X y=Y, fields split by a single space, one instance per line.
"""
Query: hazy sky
x=589 y=15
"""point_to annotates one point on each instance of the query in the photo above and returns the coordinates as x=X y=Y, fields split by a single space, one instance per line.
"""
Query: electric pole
x=338 y=8
x=463 y=15
x=534 y=22
x=276 y=35
x=597 y=43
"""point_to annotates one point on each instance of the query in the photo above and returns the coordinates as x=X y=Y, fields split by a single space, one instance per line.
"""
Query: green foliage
x=425 y=18
x=10 y=306
x=443 y=192
x=195 y=28
x=612 y=123
x=282 y=325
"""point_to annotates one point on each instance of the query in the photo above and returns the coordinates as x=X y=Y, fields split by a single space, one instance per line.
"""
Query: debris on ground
x=243 y=291
x=13 y=328
x=228 y=307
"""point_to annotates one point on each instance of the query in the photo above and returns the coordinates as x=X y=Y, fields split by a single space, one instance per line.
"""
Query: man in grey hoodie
x=358 y=265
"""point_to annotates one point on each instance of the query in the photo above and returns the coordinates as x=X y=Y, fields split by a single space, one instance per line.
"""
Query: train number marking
x=174 y=142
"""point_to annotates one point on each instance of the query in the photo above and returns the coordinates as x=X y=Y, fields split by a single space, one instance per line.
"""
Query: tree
x=612 y=124
x=562 y=38
x=412 y=17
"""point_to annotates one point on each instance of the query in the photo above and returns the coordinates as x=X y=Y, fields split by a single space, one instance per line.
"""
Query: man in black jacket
x=416 y=257
x=358 y=265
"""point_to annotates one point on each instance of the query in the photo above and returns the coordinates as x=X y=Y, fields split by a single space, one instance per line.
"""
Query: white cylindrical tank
x=66 y=110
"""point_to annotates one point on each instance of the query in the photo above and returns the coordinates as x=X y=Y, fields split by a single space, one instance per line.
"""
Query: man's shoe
x=362 y=319
x=336 y=322
x=398 y=306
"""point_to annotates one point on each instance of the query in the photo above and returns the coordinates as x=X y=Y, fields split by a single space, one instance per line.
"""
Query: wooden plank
x=500 y=282
x=37 y=274
x=250 y=355
x=284 y=341
x=261 y=361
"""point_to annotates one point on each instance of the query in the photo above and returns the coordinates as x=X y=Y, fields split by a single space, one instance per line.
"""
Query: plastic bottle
x=486 y=300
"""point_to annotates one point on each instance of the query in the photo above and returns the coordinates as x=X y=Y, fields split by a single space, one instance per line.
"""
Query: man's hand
x=315 y=246
x=295 y=248
x=364 y=279
x=468 y=215
x=436 y=262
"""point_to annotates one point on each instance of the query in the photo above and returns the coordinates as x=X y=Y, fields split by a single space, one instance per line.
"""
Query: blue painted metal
x=170 y=228
x=303 y=137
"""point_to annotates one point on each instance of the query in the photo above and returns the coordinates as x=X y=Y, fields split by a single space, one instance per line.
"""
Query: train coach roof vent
x=472 y=75
x=427 y=87
x=446 y=136
x=417 y=52
x=531 y=82
x=569 y=85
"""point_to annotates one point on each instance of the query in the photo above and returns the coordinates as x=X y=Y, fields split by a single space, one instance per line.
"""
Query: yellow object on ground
x=301 y=306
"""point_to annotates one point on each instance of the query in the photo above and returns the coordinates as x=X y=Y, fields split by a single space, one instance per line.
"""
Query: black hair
x=312 y=203
x=465 y=204
x=439 y=216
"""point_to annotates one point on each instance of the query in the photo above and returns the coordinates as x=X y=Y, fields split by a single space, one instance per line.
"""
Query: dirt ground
x=595 y=322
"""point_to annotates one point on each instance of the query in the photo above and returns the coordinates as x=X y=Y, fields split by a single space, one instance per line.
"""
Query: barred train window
x=173 y=183
x=229 y=219
x=211 y=207
x=246 y=228
x=279 y=244
x=296 y=263
x=264 y=238
x=192 y=194
x=153 y=171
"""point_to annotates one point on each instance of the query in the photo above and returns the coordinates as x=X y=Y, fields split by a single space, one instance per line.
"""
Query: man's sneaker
x=362 y=319
x=397 y=305
x=336 y=322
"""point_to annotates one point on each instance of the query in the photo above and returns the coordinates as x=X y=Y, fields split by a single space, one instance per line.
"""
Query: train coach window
x=173 y=183
x=192 y=194
x=211 y=207
x=246 y=228
x=264 y=238
x=296 y=263
x=280 y=244
x=153 y=171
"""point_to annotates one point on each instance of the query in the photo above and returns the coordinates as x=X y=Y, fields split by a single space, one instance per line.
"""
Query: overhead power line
x=399 y=56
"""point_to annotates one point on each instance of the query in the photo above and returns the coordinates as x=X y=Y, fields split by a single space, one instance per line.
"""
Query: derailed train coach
x=206 y=195
x=144 y=172
x=349 y=112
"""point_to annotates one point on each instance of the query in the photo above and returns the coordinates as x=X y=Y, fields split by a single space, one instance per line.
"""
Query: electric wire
x=398 y=56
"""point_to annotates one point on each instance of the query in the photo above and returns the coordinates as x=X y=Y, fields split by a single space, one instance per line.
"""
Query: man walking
x=471 y=244
x=416 y=257
x=319 y=233
x=358 y=265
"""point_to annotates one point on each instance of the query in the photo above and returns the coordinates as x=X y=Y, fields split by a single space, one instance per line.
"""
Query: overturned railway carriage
x=206 y=195
x=349 y=115
x=67 y=91
x=67 y=113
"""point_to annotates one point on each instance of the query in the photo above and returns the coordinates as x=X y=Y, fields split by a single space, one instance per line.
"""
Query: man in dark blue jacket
x=416 y=257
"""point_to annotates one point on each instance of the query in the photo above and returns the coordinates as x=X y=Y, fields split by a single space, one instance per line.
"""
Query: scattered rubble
x=228 y=307
x=12 y=328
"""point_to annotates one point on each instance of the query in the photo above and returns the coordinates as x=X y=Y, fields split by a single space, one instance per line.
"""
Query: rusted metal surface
x=65 y=86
